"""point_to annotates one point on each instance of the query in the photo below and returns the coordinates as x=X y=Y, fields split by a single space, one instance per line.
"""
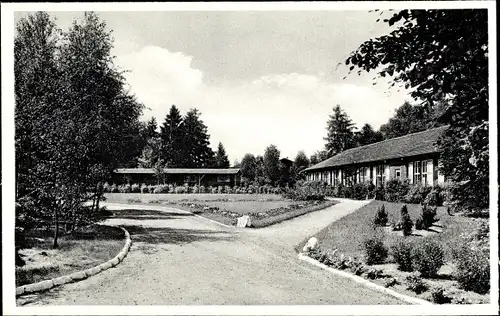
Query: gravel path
x=183 y=259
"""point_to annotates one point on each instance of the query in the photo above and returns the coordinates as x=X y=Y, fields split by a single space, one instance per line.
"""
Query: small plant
x=415 y=283
x=135 y=188
x=472 y=268
x=373 y=274
x=375 y=250
x=427 y=257
x=180 y=190
x=406 y=222
x=428 y=216
x=144 y=188
x=381 y=216
x=439 y=296
x=390 y=282
x=401 y=252
x=419 y=223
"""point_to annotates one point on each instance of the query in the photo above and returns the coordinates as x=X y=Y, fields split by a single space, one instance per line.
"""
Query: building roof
x=415 y=144
x=177 y=171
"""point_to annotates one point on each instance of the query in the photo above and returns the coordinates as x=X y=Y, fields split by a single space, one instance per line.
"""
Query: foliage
x=401 y=252
x=435 y=197
x=71 y=102
x=340 y=132
x=381 y=217
x=379 y=192
x=375 y=250
x=428 y=216
x=416 y=194
x=405 y=221
x=272 y=164
x=419 y=223
x=427 y=257
x=396 y=190
x=248 y=167
x=306 y=191
x=390 y=282
x=415 y=283
x=439 y=296
x=221 y=159
x=172 y=141
x=373 y=274
x=428 y=52
x=196 y=150
x=360 y=190
x=367 y=135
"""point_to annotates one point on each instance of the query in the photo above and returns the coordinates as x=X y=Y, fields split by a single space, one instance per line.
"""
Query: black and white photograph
x=301 y=158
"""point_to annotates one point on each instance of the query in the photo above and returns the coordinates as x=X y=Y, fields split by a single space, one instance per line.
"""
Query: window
x=397 y=172
x=380 y=174
x=362 y=175
x=420 y=172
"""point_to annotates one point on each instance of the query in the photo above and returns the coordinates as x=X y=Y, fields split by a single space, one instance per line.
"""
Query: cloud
x=287 y=110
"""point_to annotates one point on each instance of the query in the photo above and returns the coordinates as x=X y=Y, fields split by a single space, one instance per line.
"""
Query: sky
x=258 y=78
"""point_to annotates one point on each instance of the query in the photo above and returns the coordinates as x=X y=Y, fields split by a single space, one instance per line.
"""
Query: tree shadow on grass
x=166 y=235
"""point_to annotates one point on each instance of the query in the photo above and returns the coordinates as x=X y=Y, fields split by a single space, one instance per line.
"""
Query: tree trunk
x=56 y=230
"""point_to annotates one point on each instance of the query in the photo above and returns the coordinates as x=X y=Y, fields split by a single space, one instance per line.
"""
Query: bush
x=202 y=189
x=428 y=216
x=415 y=283
x=401 y=252
x=375 y=250
x=439 y=296
x=180 y=190
x=360 y=191
x=106 y=188
x=308 y=191
x=170 y=188
x=396 y=190
x=135 y=188
x=125 y=188
x=381 y=217
x=144 y=188
x=390 y=282
x=158 y=189
x=379 y=192
x=416 y=194
x=405 y=221
x=373 y=274
x=427 y=257
x=419 y=223
x=435 y=196
x=472 y=268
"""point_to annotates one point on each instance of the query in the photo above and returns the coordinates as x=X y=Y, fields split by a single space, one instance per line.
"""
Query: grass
x=147 y=198
x=82 y=250
x=348 y=233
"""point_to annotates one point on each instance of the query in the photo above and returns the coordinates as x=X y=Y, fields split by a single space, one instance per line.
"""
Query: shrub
x=416 y=194
x=419 y=223
x=389 y=282
x=158 y=189
x=435 y=197
x=428 y=216
x=381 y=217
x=401 y=252
x=144 y=188
x=125 y=188
x=472 y=268
x=308 y=191
x=202 y=189
x=379 y=192
x=106 y=188
x=180 y=190
x=396 y=190
x=373 y=274
x=360 y=191
x=427 y=257
x=219 y=189
x=415 y=283
x=405 y=221
x=375 y=250
x=135 y=188
x=439 y=296
x=170 y=188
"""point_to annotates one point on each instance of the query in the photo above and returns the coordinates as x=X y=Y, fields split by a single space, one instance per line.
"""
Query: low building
x=178 y=176
x=414 y=157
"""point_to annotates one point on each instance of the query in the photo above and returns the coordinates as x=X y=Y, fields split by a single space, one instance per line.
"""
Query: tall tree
x=407 y=119
x=272 y=164
x=172 y=139
x=248 y=167
x=367 y=135
x=197 y=152
x=301 y=161
x=443 y=55
x=152 y=128
x=260 y=171
x=221 y=160
x=340 y=132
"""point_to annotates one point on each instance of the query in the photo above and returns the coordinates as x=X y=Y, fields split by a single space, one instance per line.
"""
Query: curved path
x=181 y=259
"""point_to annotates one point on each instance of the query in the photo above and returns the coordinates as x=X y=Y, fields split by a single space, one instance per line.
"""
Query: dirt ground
x=182 y=259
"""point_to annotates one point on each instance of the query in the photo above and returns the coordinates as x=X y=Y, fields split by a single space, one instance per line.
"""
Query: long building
x=414 y=157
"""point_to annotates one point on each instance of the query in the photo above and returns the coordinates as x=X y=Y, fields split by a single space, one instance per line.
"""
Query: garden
x=264 y=205
x=418 y=250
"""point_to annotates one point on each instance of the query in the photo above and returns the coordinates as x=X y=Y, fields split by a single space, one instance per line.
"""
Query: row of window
x=365 y=174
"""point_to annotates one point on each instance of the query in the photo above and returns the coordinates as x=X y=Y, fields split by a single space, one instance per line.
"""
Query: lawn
x=348 y=233
x=87 y=248
x=265 y=209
